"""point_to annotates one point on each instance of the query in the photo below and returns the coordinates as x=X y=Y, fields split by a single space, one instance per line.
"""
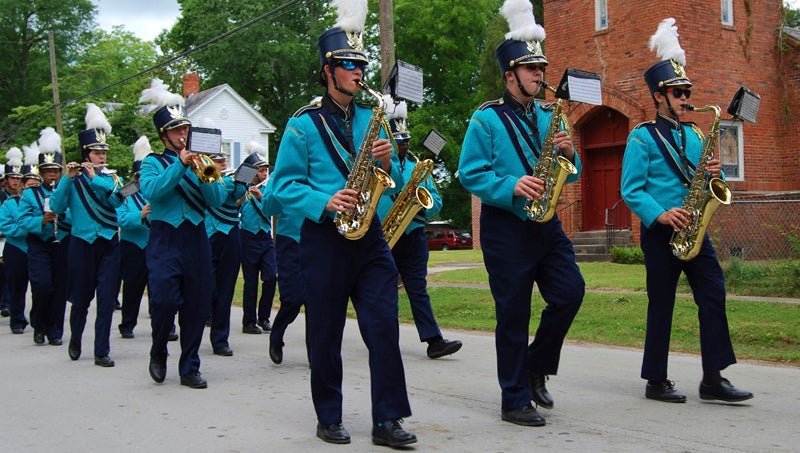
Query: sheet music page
x=585 y=90
x=205 y=141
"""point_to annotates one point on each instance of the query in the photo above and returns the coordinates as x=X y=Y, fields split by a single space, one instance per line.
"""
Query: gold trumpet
x=203 y=167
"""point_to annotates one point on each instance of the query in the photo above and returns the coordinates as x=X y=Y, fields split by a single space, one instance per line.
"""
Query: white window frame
x=732 y=162
x=600 y=15
x=726 y=12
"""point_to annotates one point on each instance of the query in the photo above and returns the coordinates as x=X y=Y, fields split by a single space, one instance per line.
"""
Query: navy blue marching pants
x=226 y=257
x=93 y=267
x=16 y=262
x=411 y=257
x=179 y=282
x=708 y=288
x=518 y=253
x=291 y=285
x=338 y=269
x=133 y=273
x=258 y=258
x=48 y=277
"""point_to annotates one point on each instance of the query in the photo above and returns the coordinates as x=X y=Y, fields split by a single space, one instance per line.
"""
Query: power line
x=277 y=12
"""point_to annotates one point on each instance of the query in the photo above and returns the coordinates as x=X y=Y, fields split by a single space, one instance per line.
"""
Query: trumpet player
x=312 y=167
x=47 y=268
x=656 y=176
x=502 y=144
x=410 y=252
x=222 y=228
x=258 y=261
x=178 y=254
x=93 y=272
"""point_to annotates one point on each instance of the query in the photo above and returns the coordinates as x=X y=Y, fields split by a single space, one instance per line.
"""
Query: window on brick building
x=731 y=149
x=600 y=15
x=727 y=12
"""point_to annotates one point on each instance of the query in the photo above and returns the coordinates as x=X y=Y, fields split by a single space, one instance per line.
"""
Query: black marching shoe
x=74 y=350
x=443 y=347
x=56 y=341
x=173 y=335
x=335 y=434
x=104 y=361
x=276 y=352
x=723 y=391
x=223 y=351
x=539 y=392
x=158 y=368
x=251 y=329
x=5 y=313
x=38 y=337
x=126 y=334
x=392 y=434
x=525 y=416
x=265 y=325
x=664 y=391
x=194 y=381
x=17 y=331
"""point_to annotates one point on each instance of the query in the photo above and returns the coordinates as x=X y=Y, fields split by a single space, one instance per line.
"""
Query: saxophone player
x=410 y=252
x=313 y=164
x=657 y=170
x=501 y=146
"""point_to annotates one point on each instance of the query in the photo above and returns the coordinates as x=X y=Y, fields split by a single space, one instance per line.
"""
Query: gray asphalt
x=50 y=403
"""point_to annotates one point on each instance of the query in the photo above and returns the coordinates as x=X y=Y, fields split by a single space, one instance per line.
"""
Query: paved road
x=50 y=403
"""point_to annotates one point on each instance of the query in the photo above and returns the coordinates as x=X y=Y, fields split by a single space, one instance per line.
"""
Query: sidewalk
x=51 y=403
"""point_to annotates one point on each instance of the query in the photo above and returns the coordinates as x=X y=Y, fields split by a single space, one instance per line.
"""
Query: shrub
x=627 y=255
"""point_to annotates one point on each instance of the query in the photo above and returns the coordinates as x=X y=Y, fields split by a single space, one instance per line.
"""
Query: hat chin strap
x=335 y=83
x=669 y=104
x=519 y=85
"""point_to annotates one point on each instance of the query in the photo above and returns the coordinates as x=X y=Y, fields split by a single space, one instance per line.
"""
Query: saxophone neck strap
x=676 y=159
x=516 y=132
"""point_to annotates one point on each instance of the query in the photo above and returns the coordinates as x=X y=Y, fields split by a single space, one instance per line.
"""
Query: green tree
x=24 y=27
x=791 y=16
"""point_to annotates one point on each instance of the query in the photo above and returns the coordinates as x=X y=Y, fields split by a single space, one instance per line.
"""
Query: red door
x=603 y=143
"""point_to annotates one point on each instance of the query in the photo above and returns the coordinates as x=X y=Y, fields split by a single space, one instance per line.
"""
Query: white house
x=229 y=112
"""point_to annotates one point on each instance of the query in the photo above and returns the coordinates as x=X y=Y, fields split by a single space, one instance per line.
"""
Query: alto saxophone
x=704 y=197
x=552 y=168
x=365 y=177
x=409 y=201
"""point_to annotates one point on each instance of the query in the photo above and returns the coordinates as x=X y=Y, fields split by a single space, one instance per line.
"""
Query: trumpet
x=204 y=168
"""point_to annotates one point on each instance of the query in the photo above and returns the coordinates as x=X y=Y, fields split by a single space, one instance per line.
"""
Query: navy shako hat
x=669 y=71
x=13 y=166
x=256 y=154
x=344 y=41
x=141 y=149
x=169 y=107
x=50 y=149
x=397 y=114
x=96 y=132
x=169 y=117
x=523 y=43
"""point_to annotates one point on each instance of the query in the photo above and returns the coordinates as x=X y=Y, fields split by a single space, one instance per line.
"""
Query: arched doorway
x=603 y=138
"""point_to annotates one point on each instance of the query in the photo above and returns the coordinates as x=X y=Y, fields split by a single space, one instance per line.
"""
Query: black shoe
x=158 y=368
x=74 y=350
x=17 y=331
x=224 y=351
x=335 y=434
x=208 y=322
x=664 y=391
x=173 y=335
x=525 y=416
x=251 y=329
x=56 y=341
x=723 y=391
x=38 y=337
x=126 y=334
x=265 y=325
x=392 y=434
x=5 y=313
x=194 y=381
x=276 y=351
x=539 y=392
x=104 y=361
x=117 y=305
x=442 y=347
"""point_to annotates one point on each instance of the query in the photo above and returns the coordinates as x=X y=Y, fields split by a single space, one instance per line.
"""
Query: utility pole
x=387 y=39
x=54 y=80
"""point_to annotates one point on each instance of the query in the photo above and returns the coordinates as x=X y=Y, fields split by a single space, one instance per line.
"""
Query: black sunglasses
x=351 y=65
x=678 y=92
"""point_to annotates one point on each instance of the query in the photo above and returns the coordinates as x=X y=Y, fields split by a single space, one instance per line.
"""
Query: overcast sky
x=144 y=18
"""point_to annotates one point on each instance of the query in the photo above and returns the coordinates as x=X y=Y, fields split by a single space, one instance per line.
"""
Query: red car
x=448 y=239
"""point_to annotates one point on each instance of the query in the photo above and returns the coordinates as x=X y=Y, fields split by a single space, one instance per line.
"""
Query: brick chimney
x=191 y=84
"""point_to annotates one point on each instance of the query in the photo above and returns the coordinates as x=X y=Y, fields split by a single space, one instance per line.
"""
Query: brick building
x=728 y=44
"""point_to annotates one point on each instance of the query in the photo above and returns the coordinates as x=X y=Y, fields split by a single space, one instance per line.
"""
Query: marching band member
x=46 y=254
x=222 y=227
x=656 y=175
x=90 y=193
x=312 y=168
x=178 y=253
x=410 y=252
x=15 y=256
x=259 y=255
x=501 y=146
x=134 y=231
